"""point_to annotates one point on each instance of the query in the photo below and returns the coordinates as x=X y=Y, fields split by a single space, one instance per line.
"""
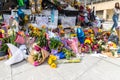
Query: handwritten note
x=6 y=18
x=40 y=20
x=68 y=21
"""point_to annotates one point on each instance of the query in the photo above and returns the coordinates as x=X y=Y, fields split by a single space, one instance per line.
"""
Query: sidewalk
x=90 y=68
x=108 y=24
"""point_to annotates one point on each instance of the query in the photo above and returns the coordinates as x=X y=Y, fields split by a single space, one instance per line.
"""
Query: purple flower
x=0 y=42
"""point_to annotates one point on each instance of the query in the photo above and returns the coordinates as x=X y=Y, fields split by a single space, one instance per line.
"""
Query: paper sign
x=50 y=23
x=40 y=21
x=26 y=11
x=6 y=18
x=68 y=21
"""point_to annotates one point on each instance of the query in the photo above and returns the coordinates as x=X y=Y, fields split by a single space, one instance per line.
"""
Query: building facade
x=104 y=8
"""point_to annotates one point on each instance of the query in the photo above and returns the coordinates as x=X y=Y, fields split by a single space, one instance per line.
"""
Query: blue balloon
x=20 y=13
x=118 y=51
x=80 y=35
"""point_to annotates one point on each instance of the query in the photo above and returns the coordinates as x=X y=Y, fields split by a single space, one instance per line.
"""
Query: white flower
x=10 y=32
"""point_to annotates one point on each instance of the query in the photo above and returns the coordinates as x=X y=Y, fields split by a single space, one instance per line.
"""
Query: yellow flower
x=53 y=65
x=60 y=26
x=87 y=41
x=100 y=30
x=34 y=28
x=90 y=30
x=1 y=30
x=50 y=61
x=53 y=57
x=73 y=35
x=10 y=32
x=92 y=35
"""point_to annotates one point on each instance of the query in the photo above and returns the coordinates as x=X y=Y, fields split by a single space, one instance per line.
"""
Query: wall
x=106 y=8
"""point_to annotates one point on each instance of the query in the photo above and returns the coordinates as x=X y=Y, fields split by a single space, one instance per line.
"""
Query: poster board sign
x=67 y=21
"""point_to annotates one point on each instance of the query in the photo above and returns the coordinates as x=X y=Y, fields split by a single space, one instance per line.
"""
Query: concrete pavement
x=90 y=68
x=107 y=25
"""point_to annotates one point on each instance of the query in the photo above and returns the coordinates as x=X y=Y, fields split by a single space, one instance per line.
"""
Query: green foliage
x=68 y=53
x=41 y=40
x=54 y=43
x=4 y=46
x=37 y=56
x=10 y=39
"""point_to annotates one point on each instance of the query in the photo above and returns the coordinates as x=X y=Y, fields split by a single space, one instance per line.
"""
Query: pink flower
x=36 y=63
x=37 y=48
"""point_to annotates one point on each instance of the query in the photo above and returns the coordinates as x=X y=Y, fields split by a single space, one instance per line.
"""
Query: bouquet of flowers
x=37 y=55
x=52 y=61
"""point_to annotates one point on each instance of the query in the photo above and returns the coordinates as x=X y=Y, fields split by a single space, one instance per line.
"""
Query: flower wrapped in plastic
x=73 y=43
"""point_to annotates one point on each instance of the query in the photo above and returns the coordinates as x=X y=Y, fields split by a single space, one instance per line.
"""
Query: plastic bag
x=18 y=54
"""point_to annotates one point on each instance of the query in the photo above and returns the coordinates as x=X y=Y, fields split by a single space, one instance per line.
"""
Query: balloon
x=80 y=35
x=20 y=13
x=21 y=2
